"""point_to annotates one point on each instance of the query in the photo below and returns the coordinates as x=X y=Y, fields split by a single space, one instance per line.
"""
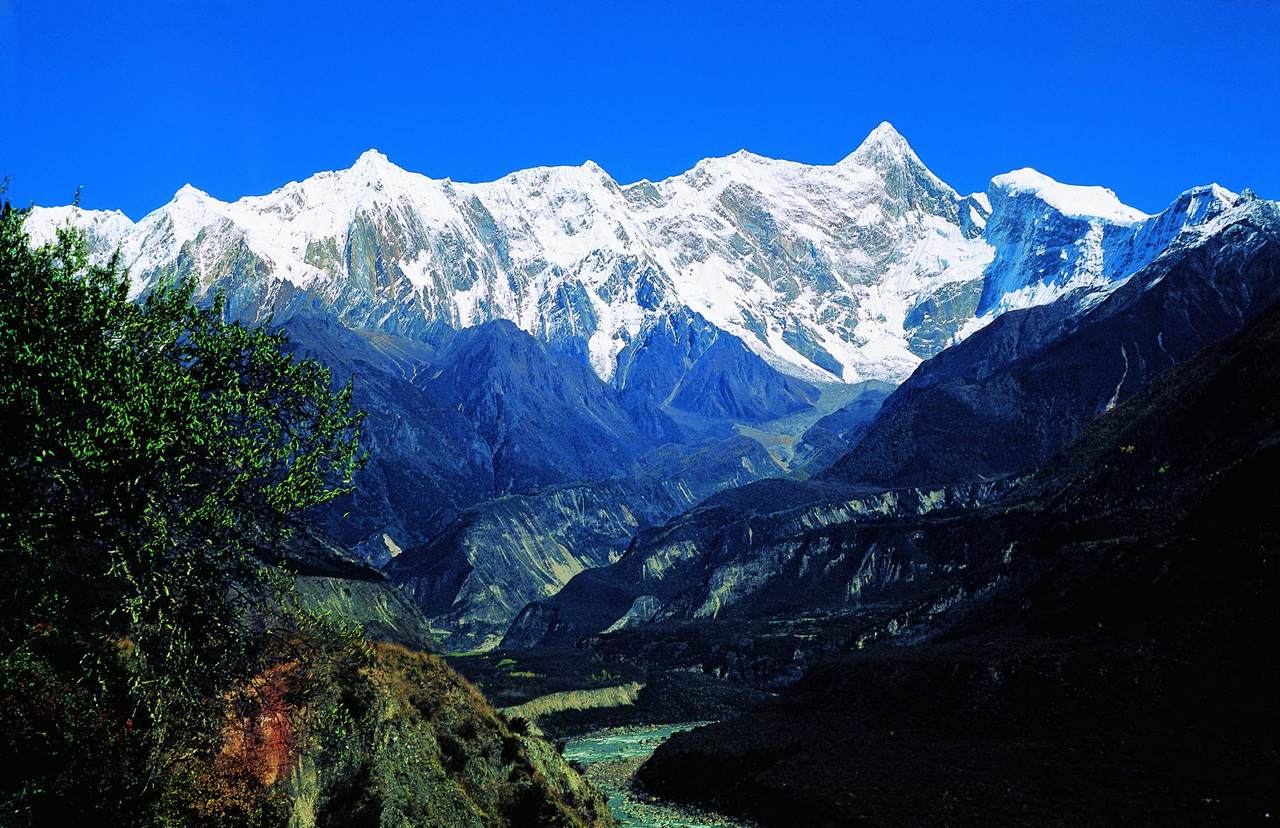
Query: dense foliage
x=152 y=456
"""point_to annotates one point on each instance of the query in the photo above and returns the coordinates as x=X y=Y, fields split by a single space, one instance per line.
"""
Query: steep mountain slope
x=1112 y=626
x=427 y=462
x=687 y=365
x=1013 y=393
x=1052 y=239
x=741 y=554
x=544 y=416
x=996 y=404
x=330 y=580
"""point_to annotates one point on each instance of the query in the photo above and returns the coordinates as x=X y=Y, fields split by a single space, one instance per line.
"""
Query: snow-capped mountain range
x=847 y=272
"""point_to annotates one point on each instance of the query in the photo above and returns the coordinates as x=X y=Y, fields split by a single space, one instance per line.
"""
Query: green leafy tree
x=153 y=454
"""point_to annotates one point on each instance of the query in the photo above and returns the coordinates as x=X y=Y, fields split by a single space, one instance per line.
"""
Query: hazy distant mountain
x=500 y=467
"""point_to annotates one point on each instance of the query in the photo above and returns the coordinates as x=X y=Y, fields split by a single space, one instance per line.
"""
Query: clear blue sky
x=133 y=99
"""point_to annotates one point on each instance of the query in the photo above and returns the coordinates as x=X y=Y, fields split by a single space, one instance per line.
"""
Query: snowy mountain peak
x=1205 y=196
x=1210 y=208
x=888 y=156
x=193 y=204
x=1072 y=200
x=189 y=192
x=372 y=158
x=1055 y=239
x=105 y=227
x=882 y=142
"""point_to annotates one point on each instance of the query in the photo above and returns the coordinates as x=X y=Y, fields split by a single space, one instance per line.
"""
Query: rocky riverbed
x=611 y=758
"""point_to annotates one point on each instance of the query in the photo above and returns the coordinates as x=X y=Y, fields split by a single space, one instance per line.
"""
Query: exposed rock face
x=544 y=416
x=740 y=554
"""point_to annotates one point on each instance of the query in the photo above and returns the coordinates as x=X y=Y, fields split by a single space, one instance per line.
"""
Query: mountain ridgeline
x=846 y=272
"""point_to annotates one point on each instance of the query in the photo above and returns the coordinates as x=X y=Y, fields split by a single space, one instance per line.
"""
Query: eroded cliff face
x=481 y=570
x=744 y=554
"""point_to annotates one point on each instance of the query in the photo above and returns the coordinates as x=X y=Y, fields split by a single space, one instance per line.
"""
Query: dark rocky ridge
x=741 y=554
x=1102 y=658
x=1002 y=401
x=685 y=363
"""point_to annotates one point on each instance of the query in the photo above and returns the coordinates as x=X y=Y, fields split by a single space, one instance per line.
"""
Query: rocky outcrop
x=741 y=554
x=476 y=575
x=402 y=740
x=332 y=582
